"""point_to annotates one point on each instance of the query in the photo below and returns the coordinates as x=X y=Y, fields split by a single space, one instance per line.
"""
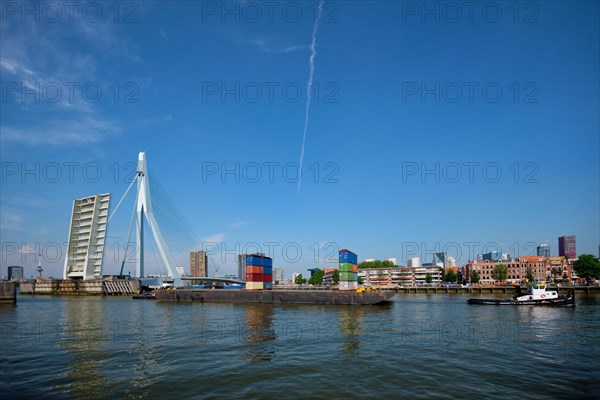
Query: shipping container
x=268 y=285
x=267 y=278
x=267 y=270
x=356 y=276
x=347 y=286
x=348 y=256
x=348 y=267
x=346 y=276
x=254 y=285
x=254 y=277
x=254 y=260
x=253 y=269
x=258 y=260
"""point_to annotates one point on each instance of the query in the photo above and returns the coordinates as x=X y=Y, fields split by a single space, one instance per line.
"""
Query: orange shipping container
x=254 y=269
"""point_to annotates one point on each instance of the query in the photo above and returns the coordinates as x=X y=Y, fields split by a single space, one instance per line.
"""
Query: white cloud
x=13 y=221
x=14 y=67
x=266 y=45
x=59 y=133
x=26 y=201
x=216 y=238
x=237 y=225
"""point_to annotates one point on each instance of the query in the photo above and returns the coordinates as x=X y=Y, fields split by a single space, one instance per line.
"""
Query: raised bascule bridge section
x=160 y=229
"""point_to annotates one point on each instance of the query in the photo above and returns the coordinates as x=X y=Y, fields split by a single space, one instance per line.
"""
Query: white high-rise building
x=393 y=260
x=278 y=275
x=87 y=234
x=414 y=262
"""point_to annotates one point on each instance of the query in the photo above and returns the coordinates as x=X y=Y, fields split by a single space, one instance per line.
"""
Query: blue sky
x=508 y=95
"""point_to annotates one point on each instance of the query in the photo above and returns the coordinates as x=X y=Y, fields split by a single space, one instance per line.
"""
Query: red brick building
x=542 y=268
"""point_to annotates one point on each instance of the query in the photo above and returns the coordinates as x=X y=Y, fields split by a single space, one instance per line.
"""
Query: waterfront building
x=542 y=269
x=536 y=265
x=543 y=250
x=87 y=233
x=393 y=260
x=567 y=247
x=14 y=272
x=420 y=274
x=401 y=276
x=198 y=263
x=559 y=268
x=278 y=277
x=485 y=267
x=328 y=276
x=242 y=267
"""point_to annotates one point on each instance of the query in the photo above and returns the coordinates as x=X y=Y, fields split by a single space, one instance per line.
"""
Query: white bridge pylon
x=143 y=208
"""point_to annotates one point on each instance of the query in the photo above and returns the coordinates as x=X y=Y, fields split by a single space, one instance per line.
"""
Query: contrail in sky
x=311 y=73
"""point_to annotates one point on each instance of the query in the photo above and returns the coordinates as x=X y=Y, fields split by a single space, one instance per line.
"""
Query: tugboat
x=536 y=295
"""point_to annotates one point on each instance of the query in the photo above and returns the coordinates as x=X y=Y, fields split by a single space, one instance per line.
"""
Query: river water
x=418 y=346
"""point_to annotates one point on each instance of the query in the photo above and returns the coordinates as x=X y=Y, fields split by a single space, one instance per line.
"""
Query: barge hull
x=275 y=296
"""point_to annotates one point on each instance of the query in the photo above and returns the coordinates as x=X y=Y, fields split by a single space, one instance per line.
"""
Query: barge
x=336 y=297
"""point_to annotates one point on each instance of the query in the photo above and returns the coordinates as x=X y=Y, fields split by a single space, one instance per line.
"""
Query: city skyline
x=406 y=150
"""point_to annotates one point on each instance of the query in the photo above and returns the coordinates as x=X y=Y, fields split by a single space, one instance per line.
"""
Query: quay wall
x=8 y=292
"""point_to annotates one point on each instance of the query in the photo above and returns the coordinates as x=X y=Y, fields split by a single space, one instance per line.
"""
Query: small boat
x=144 y=296
x=536 y=295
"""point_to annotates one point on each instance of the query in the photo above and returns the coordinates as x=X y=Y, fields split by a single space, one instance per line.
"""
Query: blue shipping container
x=268 y=270
x=355 y=277
x=258 y=261
x=348 y=256
x=268 y=285
x=253 y=260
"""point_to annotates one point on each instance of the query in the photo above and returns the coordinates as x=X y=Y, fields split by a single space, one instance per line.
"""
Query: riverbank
x=497 y=289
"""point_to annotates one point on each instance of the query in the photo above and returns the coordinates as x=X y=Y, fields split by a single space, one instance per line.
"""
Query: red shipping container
x=267 y=278
x=254 y=277
x=254 y=269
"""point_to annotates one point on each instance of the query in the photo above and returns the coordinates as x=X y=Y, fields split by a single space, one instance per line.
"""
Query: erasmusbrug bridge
x=173 y=237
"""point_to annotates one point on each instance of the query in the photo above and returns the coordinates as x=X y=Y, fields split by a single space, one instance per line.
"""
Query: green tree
x=500 y=272
x=554 y=273
x=300 y=280
x=474 y=277
x=335 y=276
x=449 y=276
x=587 y=266
x=317 y=277
x=529 y=275
x=359 y=280
x=377 y=264
x=428 y=278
